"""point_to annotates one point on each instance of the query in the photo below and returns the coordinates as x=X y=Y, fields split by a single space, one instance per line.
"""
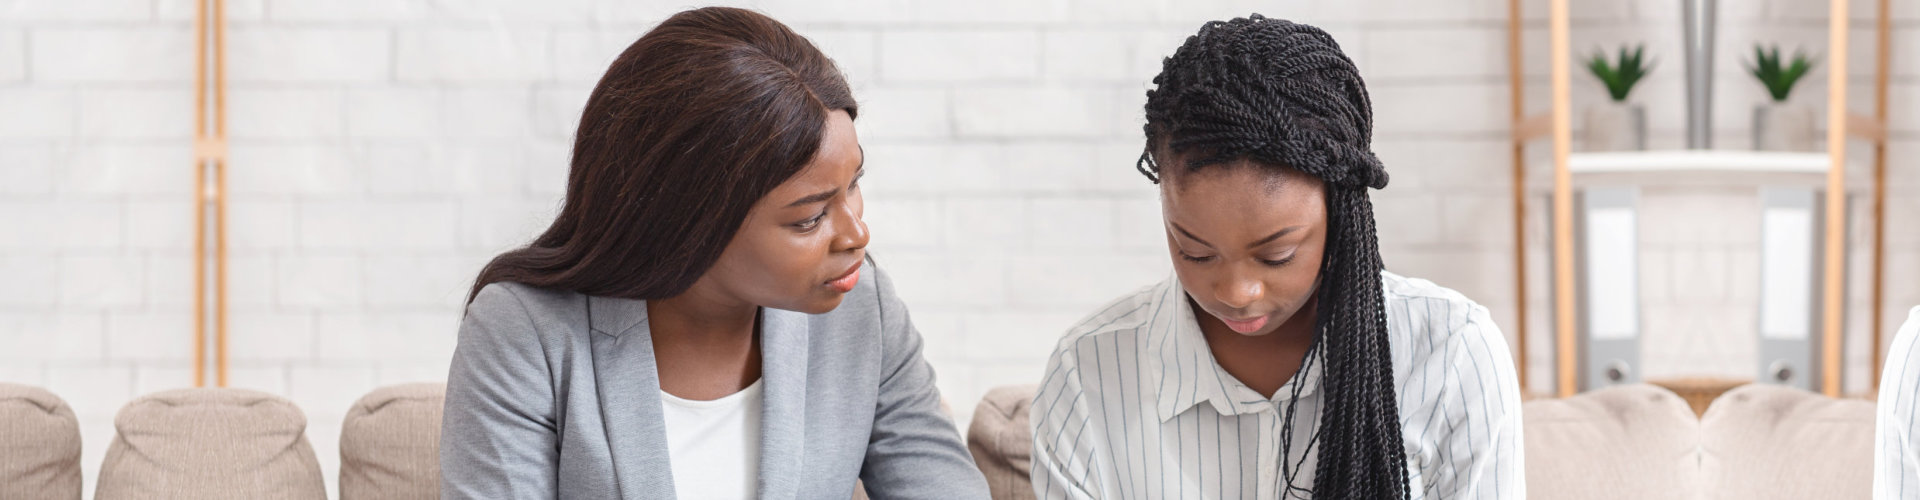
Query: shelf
x=1704 y=161
x=1707 y=168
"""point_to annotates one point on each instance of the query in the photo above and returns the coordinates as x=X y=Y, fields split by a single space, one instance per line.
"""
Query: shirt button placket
x=1269 y=485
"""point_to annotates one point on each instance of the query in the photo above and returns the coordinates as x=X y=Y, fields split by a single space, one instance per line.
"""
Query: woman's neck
x=1266 y=362
x=704 y=345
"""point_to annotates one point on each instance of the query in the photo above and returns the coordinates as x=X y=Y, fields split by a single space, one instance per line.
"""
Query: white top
x=1896 y=435
x=1134 y=406
x=714 y=446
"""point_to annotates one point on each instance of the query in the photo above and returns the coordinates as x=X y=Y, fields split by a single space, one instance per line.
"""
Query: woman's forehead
x=1242 y=178
x=1234 y=202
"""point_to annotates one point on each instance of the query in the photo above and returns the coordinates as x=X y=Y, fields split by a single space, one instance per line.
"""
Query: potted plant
x=1777 y=124
x=1618 y=125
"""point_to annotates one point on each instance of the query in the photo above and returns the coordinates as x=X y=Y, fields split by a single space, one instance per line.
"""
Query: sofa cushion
x=390 y=443
x=1634 y=441
x=210 y=443
x=39 y=444
x=1763 y=441
x=1002 y=442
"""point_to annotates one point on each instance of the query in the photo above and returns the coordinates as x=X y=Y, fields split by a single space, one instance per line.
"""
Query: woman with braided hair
x=1281 y=360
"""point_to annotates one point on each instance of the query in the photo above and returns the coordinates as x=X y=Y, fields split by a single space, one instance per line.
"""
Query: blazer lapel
x=783 y=374
x=628 y=385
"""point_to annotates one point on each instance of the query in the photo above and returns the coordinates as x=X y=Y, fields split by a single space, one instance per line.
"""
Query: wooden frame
x=1833 y=272
x=1563 y=297
x=1516 y=78
x=1883 y=66
x=209 y=150
x=1557 y=124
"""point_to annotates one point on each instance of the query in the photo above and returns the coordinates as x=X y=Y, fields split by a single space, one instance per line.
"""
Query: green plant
x=1622 y=74
x=1779 y=76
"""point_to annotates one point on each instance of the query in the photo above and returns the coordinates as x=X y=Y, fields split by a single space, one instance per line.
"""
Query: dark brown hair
x=693 y=123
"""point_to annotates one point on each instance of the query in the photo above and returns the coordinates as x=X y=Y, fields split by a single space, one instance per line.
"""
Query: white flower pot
x=1615 y=126
x=1784 y=127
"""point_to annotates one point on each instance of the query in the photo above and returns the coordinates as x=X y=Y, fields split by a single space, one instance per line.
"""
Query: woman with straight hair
x=701 y=320
x=1280 y=360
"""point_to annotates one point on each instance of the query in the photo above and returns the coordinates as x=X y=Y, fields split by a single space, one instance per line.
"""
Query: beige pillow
x=1763 y=441
x=390 y=443
x=39 y=445
x=1636 y=441
x=210 y=444
x=1002 y=442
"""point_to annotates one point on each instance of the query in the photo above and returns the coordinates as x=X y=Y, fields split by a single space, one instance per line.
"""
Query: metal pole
x=1697 y=18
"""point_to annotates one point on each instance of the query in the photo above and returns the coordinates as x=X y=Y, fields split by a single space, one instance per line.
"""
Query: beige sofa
x=1640 y=441
x=39 y=444
x=390 y=443
x=1767 y=442
x=210 y=444
x=1002 y=441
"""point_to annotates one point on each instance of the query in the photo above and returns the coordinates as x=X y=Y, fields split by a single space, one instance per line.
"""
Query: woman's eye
x=1277 y=263
x=1196 y=260
x=810 y=224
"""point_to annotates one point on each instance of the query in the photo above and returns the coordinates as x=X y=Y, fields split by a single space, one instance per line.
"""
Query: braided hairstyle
x=1282 y=95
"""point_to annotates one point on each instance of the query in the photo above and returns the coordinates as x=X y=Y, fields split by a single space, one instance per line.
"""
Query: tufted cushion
x=1636 y=441
x=390 y=443
x=1763 y=441
x=1002 y=441
x=39 y=445
x=213 y=444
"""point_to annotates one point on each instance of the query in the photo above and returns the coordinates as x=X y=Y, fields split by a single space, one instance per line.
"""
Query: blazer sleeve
x=915 y=451
x=499 y=437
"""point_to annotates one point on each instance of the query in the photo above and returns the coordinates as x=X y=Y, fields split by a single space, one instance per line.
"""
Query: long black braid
x=1283 y=95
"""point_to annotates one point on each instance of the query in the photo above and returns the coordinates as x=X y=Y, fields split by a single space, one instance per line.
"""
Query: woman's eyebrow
x=1183 y=231
x=815 y=198
x=828 y=194
x=1262 y=241
x=1276 y=235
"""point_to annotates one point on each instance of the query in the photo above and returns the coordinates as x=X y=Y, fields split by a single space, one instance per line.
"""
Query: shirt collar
x=1186 y=372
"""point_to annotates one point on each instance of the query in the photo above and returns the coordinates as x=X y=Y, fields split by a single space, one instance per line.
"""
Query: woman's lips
x=1245 y=326
x=845 y=282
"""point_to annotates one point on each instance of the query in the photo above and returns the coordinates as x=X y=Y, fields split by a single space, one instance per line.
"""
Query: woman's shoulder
x=1128 y=313
x=1430 y=318
x=1405 y=288
x=550 y=314
x=1903 y=352
x=529 y=299
x=1113 y=328
x=1446 y=347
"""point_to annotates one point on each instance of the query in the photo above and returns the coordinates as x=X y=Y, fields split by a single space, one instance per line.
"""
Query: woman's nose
x=1239 y=293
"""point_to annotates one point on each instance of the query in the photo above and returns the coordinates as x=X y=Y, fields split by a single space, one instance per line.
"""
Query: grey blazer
x=555 y=395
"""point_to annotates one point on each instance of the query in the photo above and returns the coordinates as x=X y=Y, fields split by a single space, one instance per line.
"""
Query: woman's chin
x=822 y=304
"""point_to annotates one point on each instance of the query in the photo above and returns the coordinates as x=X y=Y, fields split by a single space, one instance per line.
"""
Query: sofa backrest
x=39 y=445
x=1002 y=441
x=1763 y=441
x=390 y=443
x=210 y=443
x=1634 y=441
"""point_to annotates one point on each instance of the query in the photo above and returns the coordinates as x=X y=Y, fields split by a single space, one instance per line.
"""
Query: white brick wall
x=384 y=149
x=111 y=54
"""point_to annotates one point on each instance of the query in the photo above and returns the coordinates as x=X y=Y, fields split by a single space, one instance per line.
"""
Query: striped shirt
x=1896 y=435
x=1134 y=406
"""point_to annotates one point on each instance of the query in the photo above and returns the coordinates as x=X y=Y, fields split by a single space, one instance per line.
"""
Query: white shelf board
x=1702 y=161
x=1699 y=168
